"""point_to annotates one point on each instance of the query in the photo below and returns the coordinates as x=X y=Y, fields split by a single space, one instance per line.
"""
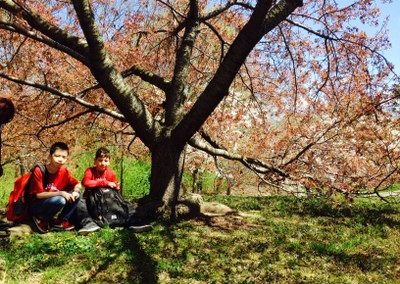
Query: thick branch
x=149 y=77
x=209 y=140
x=112 y=81
x=53 y=32
x=261 y=21
x=70 y=97
x=39 y=38
x=177 y=96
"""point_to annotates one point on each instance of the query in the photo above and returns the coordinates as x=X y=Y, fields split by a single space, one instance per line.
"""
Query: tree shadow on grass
x=365 y=216
x=367 y=261
x=144 y=266
x=141 y=269
x=368 y=214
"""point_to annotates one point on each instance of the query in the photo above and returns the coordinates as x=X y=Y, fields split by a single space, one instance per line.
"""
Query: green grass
x=6 y=184
x=280 y=240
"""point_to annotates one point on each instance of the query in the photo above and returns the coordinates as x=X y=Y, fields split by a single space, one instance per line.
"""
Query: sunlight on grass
x=289 y=241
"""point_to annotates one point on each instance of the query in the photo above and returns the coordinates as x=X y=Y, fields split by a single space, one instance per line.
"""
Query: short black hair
x=102 y=152
x=59 y=146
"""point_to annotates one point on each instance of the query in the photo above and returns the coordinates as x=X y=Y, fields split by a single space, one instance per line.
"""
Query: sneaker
x=63 y=225
x=88 y=228
x=140 y=228
x=41 y=225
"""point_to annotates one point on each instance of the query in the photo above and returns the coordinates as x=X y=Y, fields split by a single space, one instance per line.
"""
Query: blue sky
x=393 y=11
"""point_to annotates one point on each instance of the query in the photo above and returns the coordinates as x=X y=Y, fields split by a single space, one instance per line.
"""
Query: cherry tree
x=279 y=86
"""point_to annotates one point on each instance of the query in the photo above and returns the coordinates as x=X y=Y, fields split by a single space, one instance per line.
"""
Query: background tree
x=295 y=87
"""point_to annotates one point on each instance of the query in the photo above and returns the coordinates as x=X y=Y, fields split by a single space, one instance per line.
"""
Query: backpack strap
x=45 y=174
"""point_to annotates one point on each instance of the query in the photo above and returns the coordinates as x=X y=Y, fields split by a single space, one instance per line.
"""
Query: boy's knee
x=59 y=200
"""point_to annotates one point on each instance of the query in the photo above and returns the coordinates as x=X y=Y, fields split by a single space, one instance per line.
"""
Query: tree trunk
x=165 y=182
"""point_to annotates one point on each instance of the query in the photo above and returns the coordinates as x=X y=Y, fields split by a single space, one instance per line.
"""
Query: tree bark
x=165 y=181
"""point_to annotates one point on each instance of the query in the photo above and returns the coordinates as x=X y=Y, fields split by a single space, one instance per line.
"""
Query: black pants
x=81 y=215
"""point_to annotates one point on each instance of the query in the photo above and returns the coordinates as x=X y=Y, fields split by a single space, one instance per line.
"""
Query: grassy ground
x=279 y=240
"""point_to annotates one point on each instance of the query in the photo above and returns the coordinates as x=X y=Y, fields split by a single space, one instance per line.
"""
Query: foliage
x=281 y=240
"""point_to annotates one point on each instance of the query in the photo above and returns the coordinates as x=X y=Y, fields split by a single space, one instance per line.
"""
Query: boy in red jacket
x=101 y=176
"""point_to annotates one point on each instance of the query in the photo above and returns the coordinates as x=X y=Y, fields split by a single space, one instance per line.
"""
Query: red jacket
x=93 y=179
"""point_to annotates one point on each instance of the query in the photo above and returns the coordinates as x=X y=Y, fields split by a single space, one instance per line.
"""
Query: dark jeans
x=48 y=208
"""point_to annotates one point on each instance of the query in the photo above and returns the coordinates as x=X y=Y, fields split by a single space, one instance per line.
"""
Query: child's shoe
x=63 y=225
x=42 y=225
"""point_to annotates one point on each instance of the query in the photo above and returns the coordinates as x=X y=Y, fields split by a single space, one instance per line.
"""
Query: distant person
x=54 y=196
x=101 y=176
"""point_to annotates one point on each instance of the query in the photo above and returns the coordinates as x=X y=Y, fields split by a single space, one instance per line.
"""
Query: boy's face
x=102 y=163
x=58 y=158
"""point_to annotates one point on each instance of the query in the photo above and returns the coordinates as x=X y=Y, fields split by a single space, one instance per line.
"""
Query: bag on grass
x=108 y=208
x=17 y=207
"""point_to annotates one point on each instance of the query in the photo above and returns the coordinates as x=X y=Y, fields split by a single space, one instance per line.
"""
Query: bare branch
x=251 y=163
x=334 y=38
x=220 y=38
x=293 y=67
x=381 y=182
x=311 y=144
x=224 y=8
x=68 y=119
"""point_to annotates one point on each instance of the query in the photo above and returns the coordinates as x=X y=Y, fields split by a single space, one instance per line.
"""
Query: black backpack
x=108 y=208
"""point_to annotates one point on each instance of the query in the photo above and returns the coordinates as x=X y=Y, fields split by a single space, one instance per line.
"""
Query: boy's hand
x=112 y=184
x=67 y=196
x=75 y=194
